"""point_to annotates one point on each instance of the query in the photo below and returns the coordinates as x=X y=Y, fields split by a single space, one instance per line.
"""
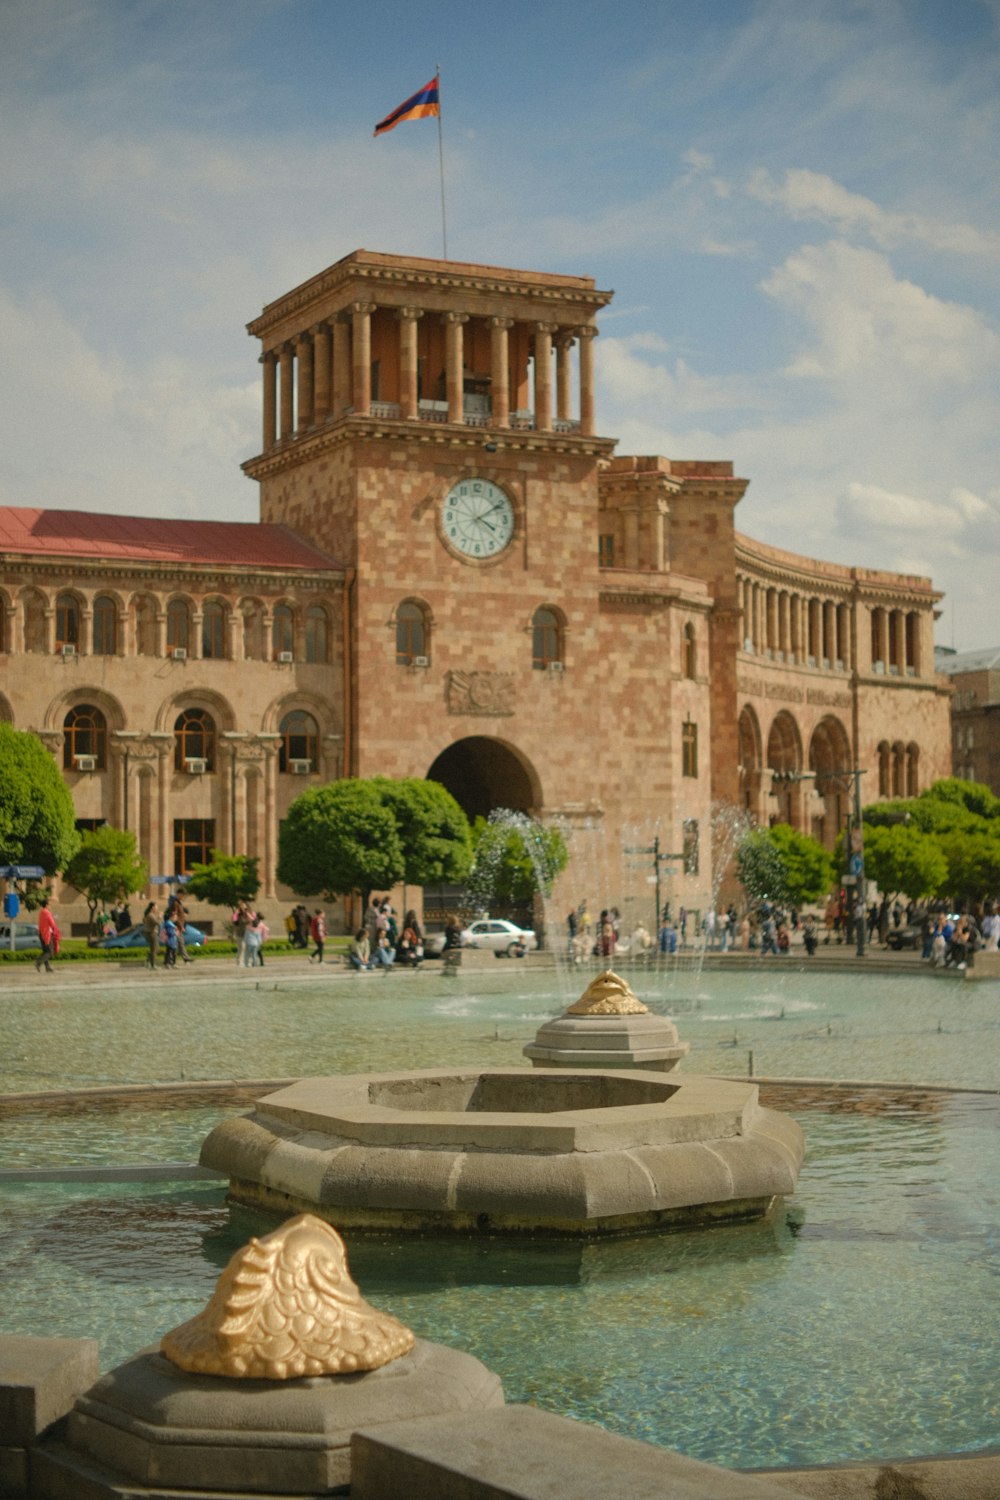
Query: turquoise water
x=910 y=1027
x=857 y=1322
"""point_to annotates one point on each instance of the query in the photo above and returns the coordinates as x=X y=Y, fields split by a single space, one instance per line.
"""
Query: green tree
x=902 y=859
x=37 y=817
x=973 y=861
x=761 y=867
x=340 y=838
x=514 y=861
x=434 y=832
x=229 y=879
x=106 y=868
x=810 y=870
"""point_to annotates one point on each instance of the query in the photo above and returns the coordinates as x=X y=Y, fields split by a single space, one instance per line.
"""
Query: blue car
x=134 y=937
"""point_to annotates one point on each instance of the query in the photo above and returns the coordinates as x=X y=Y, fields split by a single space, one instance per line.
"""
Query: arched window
x=213 y=632
x=912 y=770
x=884 y=770
x=194 y=741
x=282 y=632
x=546 y=642
x=67 y=622
x=898 y=770
x=689 y=654
x=85 y=739
x=299 y=748
x=178 y=628
x=105 y=626
x=411 y=635
x=317 y=634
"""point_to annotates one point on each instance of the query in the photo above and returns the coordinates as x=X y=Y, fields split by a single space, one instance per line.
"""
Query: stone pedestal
x=149 y=1426
x=39 y=1381
x=635 y=1041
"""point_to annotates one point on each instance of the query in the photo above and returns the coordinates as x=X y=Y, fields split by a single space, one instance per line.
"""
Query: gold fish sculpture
x=285 y=1307
x=608 y=995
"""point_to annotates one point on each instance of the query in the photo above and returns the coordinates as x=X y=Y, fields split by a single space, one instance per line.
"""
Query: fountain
x=608 y=1027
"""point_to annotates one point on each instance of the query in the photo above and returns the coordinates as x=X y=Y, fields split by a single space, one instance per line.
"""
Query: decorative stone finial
x=285 y=1306
x=608 y=995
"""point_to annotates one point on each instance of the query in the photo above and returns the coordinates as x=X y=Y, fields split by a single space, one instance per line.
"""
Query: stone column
x=85 y=645
x=161 y=632
x=162 y=840
x=197 y=621
x=454 y=366
x=286 y=359
x=304 y=369
x=785 y=625
x=13 y=630
x=408 y=362
x=830 y=631
x=321 y=372
x=883 y=639
x=771 y=606
x=899 y=642
x=341 y=366
x=49 y=619
x=543 y=376
x=361 y=320
x=270 y=371
x=586 y=337
x=564 y=345
x=234 y=628
x=500 y=370
x=844 y=634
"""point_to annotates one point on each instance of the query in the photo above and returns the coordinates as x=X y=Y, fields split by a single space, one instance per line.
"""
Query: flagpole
x=444 y=225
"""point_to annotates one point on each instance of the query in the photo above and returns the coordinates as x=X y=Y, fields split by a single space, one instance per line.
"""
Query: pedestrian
x=151 y=932
x=49 y=934
x=241 y=919
x=317 y=931
x=253 y=942
x=178 y=911
x=170 y=941
x=359 y=953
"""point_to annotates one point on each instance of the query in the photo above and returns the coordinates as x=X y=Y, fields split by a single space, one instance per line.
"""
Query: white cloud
x=806 y=195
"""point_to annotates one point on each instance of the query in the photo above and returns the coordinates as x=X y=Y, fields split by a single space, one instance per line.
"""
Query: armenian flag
x=419 y=106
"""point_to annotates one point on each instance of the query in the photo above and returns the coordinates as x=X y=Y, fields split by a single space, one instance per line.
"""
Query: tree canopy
x=946 y=842
x=340 y=838
x=434 y=832
x=227 y=880
x=106 y=868
x=514 y=860
x=809 y=867
x=903 y=860
x=37 y=817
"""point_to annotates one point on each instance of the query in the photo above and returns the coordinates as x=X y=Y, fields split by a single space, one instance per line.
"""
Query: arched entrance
x=482 y=774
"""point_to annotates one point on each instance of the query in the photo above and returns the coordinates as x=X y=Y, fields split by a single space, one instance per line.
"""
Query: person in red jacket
x=49 y=933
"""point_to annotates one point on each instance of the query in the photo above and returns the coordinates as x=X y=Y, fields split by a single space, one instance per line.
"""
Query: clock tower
x=430 y=425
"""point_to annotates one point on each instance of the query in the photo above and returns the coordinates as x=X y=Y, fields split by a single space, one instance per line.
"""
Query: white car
x=502 y=937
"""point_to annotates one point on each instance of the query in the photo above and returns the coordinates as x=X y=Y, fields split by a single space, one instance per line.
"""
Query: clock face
x=477 y=518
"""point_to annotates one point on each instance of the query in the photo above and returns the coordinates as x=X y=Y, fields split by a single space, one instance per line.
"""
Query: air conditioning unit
x=67 y=650
x=555 y=666
x=300 y=767
x=286 y=656
x=179 y=653
x=195 y=767
x=85 y=762
x=421 y=661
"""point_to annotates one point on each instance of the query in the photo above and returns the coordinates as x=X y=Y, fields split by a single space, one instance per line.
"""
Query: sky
x=795 y=203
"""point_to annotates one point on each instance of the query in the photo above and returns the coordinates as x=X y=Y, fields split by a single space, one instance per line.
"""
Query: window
x=282 y=630
x=884 y=771
x=546 y=646
x=606 y=549
x=213 y=632
x=317 y=634
x=690 y=831
x=689 y=654
x=689 y=749
x=67 y=622
x=85 y=734
x=194 y=733
x=178 y=627
x=105 y=626
x=299 y=741
x=411 y=634
x=194 y=840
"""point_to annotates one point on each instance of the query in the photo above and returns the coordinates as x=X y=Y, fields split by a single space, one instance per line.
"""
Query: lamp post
x=855 y=836
x=659 y=858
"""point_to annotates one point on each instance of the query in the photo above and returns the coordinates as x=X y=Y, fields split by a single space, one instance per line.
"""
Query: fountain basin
x=516 y=1150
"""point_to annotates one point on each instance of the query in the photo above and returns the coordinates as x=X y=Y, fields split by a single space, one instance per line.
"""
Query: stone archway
x=483 y=774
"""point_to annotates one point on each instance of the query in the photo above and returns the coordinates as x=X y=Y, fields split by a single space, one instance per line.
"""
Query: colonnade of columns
x=326 y=371
x=812 y=631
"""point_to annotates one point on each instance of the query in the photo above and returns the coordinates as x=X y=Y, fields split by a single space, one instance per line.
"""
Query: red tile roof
x=78 y=533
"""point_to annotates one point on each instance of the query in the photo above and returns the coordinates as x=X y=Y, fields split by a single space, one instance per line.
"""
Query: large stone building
x=455 y=576
x=975 y=713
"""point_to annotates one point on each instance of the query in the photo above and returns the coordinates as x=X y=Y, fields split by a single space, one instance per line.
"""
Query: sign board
x=857 y=864
x=22 y=872
x=11 y=905
x=857 y=839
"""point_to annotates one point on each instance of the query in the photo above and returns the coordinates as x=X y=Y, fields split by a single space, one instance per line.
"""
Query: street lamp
x=658 y=860
x=855 y=836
